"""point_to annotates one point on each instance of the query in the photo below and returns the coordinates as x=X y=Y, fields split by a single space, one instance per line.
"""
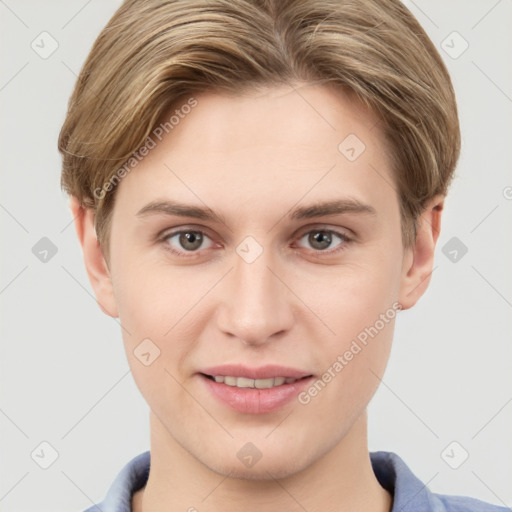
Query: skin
x=252 y=158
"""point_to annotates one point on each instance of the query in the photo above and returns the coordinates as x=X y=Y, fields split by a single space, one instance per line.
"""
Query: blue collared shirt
x=409 y=493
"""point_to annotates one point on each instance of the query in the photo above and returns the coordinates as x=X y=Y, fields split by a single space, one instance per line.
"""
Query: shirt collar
x=409 y=493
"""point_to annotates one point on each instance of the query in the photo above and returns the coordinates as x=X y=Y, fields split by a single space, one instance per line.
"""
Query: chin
x=261 y=471
x=269 y=467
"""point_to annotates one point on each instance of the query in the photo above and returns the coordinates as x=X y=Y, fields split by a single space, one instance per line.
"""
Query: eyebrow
x=320 y=209
x=336 y=207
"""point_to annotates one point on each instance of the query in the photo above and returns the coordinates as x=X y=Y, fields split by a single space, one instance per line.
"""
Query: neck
x=340 y=480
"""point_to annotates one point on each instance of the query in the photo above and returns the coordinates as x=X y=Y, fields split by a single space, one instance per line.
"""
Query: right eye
x=183 y=241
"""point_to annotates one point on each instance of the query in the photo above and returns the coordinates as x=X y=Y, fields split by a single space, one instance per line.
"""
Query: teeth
x=230 y=381
x=244 y=382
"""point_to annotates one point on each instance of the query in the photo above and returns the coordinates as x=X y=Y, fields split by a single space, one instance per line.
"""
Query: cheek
x=153 y=296
x=153 y=314
x=161 y=304
x=352 y=297
x=358 y=306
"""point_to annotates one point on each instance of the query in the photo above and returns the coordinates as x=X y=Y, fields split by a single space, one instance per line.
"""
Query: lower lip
x=256 y=401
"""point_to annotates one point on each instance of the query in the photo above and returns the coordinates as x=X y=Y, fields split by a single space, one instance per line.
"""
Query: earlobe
x=95 y=264
x=419 y=259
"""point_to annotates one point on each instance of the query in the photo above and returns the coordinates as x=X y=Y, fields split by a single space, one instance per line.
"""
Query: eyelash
x=188 y=254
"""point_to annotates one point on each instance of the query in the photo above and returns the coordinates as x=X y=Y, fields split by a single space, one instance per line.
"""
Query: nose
x=255 y=303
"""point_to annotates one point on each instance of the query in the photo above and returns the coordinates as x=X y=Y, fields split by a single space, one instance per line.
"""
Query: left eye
x=321 y=239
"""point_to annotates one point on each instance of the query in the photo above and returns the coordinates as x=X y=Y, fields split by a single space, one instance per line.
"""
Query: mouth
x=246 y=382
x=254 y=390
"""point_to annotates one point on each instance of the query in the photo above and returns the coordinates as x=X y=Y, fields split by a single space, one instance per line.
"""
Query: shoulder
x=412 y=495
x=445 y=502
x=132 y=477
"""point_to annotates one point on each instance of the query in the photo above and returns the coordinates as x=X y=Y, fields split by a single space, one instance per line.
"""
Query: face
x=272 y=284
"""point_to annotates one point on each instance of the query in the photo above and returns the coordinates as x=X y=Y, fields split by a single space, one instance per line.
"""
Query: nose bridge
x=254 y=305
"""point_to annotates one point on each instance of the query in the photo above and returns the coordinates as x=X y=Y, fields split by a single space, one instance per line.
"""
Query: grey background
x=64 y=375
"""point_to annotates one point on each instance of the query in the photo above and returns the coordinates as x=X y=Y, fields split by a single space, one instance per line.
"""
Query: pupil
x=323 y=238
x=190 y=238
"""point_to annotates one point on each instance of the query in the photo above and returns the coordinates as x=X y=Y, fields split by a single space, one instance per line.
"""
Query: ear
x=95 y=264
x=419 y=259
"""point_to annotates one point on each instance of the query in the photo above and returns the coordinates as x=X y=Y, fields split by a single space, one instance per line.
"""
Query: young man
x=257 y=186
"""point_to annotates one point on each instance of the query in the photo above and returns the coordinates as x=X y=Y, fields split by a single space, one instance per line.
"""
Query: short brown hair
x=154 y=53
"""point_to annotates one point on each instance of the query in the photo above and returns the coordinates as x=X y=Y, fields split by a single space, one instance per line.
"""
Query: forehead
x=271 y=146
x=315 y=116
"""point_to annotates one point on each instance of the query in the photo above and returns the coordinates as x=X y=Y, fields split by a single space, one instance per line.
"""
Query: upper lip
x=262 y=372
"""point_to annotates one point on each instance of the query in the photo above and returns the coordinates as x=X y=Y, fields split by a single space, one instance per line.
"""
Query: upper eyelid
x=336 y=230
x=166 y=233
